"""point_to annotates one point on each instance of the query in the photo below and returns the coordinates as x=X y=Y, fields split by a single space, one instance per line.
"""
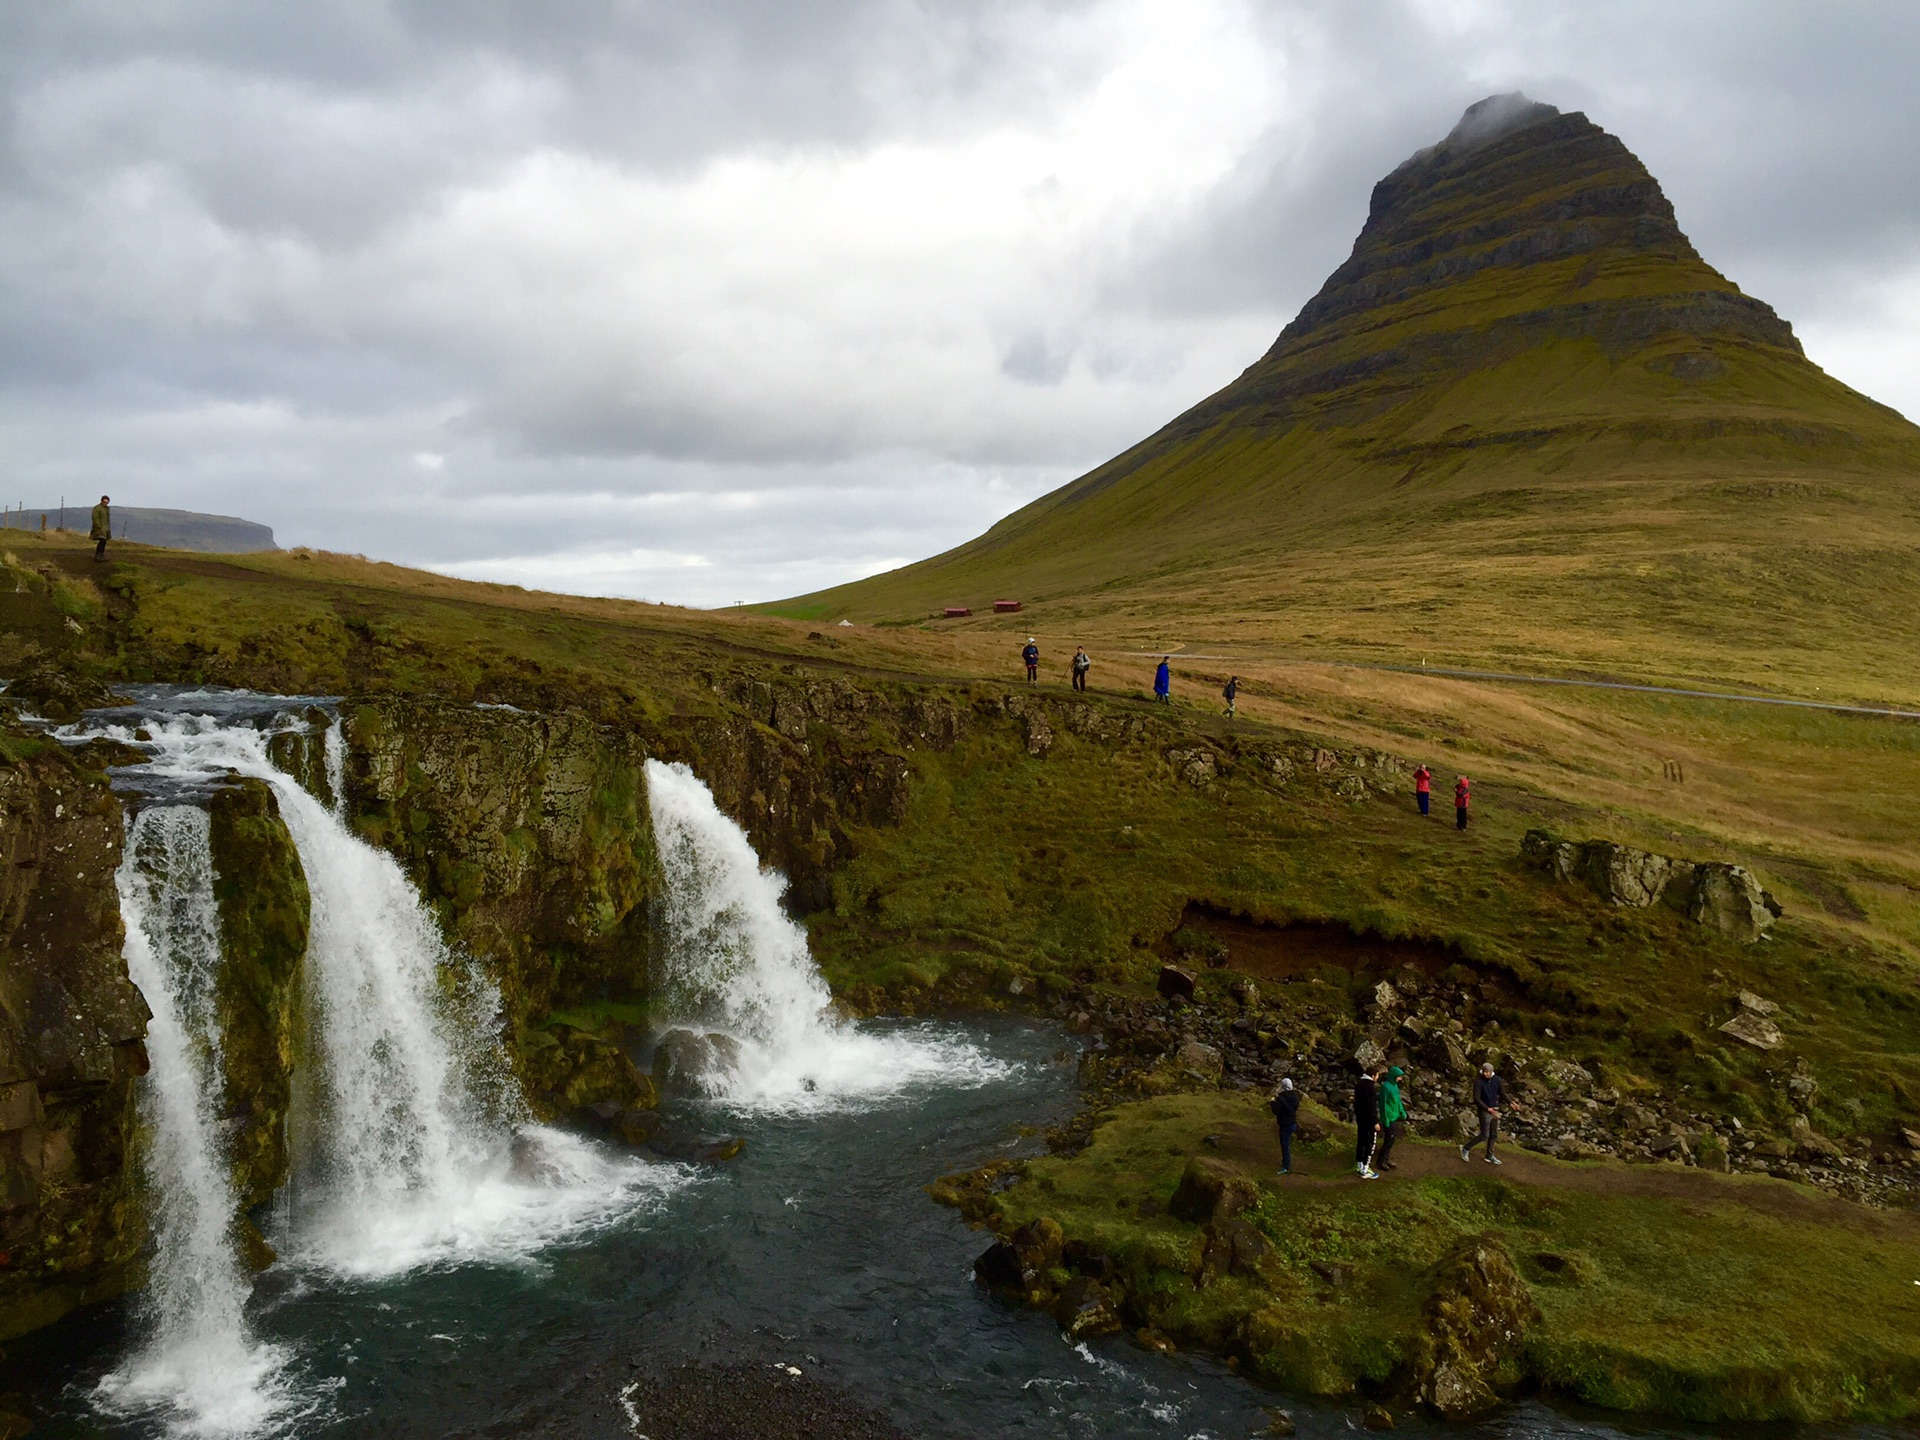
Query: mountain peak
x=1494 y=117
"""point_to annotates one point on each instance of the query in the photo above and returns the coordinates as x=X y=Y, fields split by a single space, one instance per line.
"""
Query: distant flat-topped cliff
x=175 y=529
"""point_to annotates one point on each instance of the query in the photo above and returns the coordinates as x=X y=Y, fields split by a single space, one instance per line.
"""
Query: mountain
x=175 y=529
x=1523 y=420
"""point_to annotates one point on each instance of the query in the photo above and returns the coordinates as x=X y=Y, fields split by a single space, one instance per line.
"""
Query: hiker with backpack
x=1228 y=694
x=1286 y=1114
x=1423 y=789
x=1082 y=662
x=1462 y=798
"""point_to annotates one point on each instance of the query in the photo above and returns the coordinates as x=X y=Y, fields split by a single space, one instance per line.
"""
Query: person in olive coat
x=101 y=530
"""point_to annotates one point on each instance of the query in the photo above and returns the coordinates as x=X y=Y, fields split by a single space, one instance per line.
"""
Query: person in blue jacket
x=1032 y=656
x=1163 y=681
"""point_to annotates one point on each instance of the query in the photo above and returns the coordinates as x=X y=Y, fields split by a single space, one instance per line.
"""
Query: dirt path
x=1256 y=1149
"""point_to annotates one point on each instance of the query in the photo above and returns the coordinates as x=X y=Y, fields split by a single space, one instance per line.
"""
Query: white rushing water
x=415 y=1148
x=200 y=1367
x=730 y=961
x=334 y=754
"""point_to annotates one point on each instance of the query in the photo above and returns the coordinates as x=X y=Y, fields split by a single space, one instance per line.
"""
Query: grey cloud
x=256 y=257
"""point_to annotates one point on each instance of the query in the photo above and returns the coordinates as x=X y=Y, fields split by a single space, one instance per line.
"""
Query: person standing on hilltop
x=1423 y=789
x=1231 y=693
x=1163 y=681
x=1082 y=662
x=1032 y=656
x=1286 y=1113
x=1366 y=1121
x=1462 y=798
x=101 y=530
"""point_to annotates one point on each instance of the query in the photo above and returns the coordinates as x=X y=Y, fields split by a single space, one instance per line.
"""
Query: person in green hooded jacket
x=102 y=529
x=1393 y=1117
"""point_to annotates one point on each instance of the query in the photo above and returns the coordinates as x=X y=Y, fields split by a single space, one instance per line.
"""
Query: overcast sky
x=735 y=299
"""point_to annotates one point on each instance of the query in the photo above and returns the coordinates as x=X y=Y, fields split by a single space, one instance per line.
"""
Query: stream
x=433 y=1283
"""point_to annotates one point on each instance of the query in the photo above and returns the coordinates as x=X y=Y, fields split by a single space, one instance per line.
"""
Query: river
x=427 y=1290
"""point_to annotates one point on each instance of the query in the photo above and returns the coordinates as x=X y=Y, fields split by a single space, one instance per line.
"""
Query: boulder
x=1750 y=1001
x=1209 y=1191
x=1752 y=1029
x=1727 y=898
x=1476 y=1322
x=1368 y=1054
x=1039 y=735
x=1084 y=1310
x=1021 y=1261
x=1176 y=983
x=1234 y=1247
x=1199 y=1061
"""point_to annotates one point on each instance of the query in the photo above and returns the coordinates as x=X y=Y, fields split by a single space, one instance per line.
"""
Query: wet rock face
x=71 y=1032
x=1725 y=898
x=531 y=836
x=264 y=912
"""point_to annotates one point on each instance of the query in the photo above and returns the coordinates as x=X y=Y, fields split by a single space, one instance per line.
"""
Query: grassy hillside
x=1525 y=423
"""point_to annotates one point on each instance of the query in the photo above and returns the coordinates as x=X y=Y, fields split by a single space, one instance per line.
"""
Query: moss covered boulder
x=264 y=911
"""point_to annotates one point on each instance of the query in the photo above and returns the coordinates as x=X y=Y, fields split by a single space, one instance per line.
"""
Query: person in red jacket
x=1423 y=788
x=1462 y=798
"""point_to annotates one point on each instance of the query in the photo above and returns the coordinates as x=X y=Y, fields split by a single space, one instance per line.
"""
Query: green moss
x=264 y=913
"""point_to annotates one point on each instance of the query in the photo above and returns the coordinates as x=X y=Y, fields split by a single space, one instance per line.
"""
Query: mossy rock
x=264 y=913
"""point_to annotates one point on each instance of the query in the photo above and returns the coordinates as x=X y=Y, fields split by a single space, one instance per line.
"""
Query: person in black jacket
x=1488 y=1099
x=1286 y=1113
x=1366 y=1119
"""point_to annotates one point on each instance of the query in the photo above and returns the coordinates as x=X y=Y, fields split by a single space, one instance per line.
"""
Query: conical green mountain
x=1524 y=420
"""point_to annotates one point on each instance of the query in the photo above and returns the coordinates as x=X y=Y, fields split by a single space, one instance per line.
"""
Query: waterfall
x=334 y=753
x=418 y=1149
x=200 y=1365
x=747 y=1006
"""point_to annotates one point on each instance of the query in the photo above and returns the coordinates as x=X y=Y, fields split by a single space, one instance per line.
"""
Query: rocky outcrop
x=264 y=909
x=530 y=835
x=71 y=1031
x=1725 y=898
x=1476 y=1322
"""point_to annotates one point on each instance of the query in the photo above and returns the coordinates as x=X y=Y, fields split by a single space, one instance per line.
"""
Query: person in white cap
x=1032 y=656
x=1286 y=1113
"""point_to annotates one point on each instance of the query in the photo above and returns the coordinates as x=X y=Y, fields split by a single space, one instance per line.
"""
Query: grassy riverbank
x=1658 y=1290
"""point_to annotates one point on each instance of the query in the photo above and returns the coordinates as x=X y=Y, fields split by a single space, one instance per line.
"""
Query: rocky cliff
x=71 y=1028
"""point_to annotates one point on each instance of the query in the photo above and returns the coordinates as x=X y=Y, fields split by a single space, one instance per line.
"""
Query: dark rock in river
x=1477 y=1319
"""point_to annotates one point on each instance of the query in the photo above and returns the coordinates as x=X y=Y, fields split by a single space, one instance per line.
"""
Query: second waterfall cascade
x=736 y=979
